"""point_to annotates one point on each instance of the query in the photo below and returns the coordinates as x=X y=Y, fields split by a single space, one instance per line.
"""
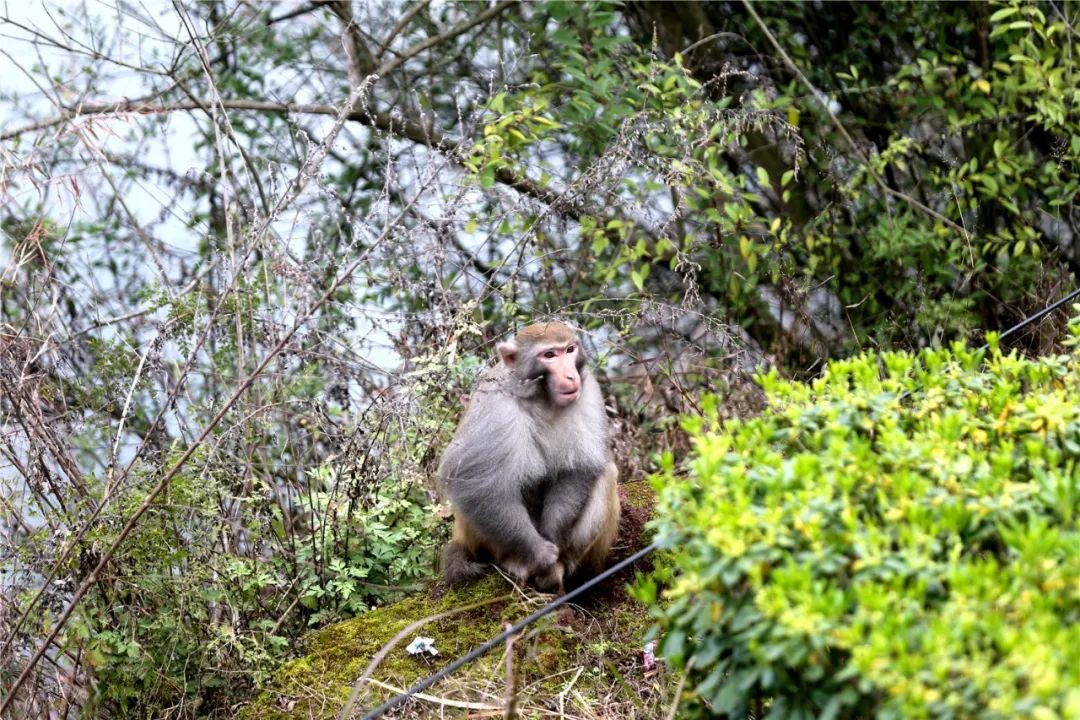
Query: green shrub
x=895 y=539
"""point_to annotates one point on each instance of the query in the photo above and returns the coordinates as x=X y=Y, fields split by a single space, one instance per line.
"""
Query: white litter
x=422 y=645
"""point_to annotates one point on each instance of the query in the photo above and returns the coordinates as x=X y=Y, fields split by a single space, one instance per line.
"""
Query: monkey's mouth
x=566 y=397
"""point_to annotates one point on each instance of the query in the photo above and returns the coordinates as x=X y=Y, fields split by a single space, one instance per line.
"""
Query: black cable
x=1041 y=314
x=501 y=638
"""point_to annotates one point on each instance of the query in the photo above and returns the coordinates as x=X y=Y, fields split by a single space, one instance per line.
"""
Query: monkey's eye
x=549 y=354
x=571 y=348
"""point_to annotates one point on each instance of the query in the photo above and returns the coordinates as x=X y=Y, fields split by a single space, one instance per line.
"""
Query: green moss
x=639 y=495
x=317 y=684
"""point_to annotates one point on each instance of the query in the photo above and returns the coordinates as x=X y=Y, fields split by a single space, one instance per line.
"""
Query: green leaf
x=1003 y=13
x=762 y=177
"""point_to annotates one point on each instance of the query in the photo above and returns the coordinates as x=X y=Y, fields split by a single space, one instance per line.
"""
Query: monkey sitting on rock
x=529 y=473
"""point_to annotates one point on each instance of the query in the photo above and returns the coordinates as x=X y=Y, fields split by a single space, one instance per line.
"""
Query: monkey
x=528 y=471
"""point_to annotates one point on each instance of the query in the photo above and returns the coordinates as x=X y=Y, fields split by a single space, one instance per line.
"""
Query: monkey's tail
x=459 y=568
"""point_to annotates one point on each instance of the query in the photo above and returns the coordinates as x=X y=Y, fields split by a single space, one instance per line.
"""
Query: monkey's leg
x=596 y=528
x=459 y=564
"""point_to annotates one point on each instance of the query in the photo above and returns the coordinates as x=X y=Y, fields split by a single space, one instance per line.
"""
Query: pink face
x=564 y=382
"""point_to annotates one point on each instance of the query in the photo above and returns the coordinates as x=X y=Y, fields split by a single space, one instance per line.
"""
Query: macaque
x=529 y=473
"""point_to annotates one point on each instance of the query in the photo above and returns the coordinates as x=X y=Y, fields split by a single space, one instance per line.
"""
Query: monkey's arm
x=498 y=514
x=565 y=501
x=486 y=488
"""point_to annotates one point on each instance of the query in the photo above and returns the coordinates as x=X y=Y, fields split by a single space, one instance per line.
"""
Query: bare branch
x=361 y=61
x=391 y=65
x=290 y=193
x=401 y=25
x=302 y=10
x=407 y=128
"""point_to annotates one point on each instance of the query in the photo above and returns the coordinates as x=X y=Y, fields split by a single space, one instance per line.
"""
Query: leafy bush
x=373 y=547
x=226 y=613
x=897 y=538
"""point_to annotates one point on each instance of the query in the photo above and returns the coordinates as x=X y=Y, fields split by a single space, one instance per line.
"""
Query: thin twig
x=302 y=10
x=440 y=701
x=391 y=65
x=361 y=61
x=408 y=128
x=511 y=680
x=678 y=691
x=401 y=24
x=865 y=161
x=815 y=93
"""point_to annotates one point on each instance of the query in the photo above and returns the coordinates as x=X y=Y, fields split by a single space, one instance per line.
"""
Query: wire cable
x=1041 y=314
x=509 y=632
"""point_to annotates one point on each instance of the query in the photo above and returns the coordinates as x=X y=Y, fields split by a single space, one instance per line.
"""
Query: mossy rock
x=584 y=657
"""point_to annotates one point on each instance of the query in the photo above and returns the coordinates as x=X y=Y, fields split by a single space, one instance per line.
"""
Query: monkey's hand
x=547 y=571
x=544 y=556
x=550 y=579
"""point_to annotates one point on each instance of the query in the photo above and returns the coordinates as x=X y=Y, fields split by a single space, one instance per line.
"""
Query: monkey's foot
x=459 y=567
x=549 y=579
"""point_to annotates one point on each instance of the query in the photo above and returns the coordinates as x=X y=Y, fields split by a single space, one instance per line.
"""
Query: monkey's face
x=547 y=361
x=560 y=367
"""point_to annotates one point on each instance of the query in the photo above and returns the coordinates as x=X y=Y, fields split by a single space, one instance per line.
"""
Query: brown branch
x=453 y=32
x=302 y=10
x=678 y=691
x=361 y=61
x=513 y=679
x=402 y=23
x=814 y=93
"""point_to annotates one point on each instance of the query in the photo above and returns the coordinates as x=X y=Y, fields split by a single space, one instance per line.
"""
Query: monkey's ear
x=508 y=353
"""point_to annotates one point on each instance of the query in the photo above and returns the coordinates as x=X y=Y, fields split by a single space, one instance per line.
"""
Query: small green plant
x=374 y=548
x=896 y=539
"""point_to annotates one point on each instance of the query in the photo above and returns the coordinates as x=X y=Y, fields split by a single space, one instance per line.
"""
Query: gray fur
x=522 y=471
